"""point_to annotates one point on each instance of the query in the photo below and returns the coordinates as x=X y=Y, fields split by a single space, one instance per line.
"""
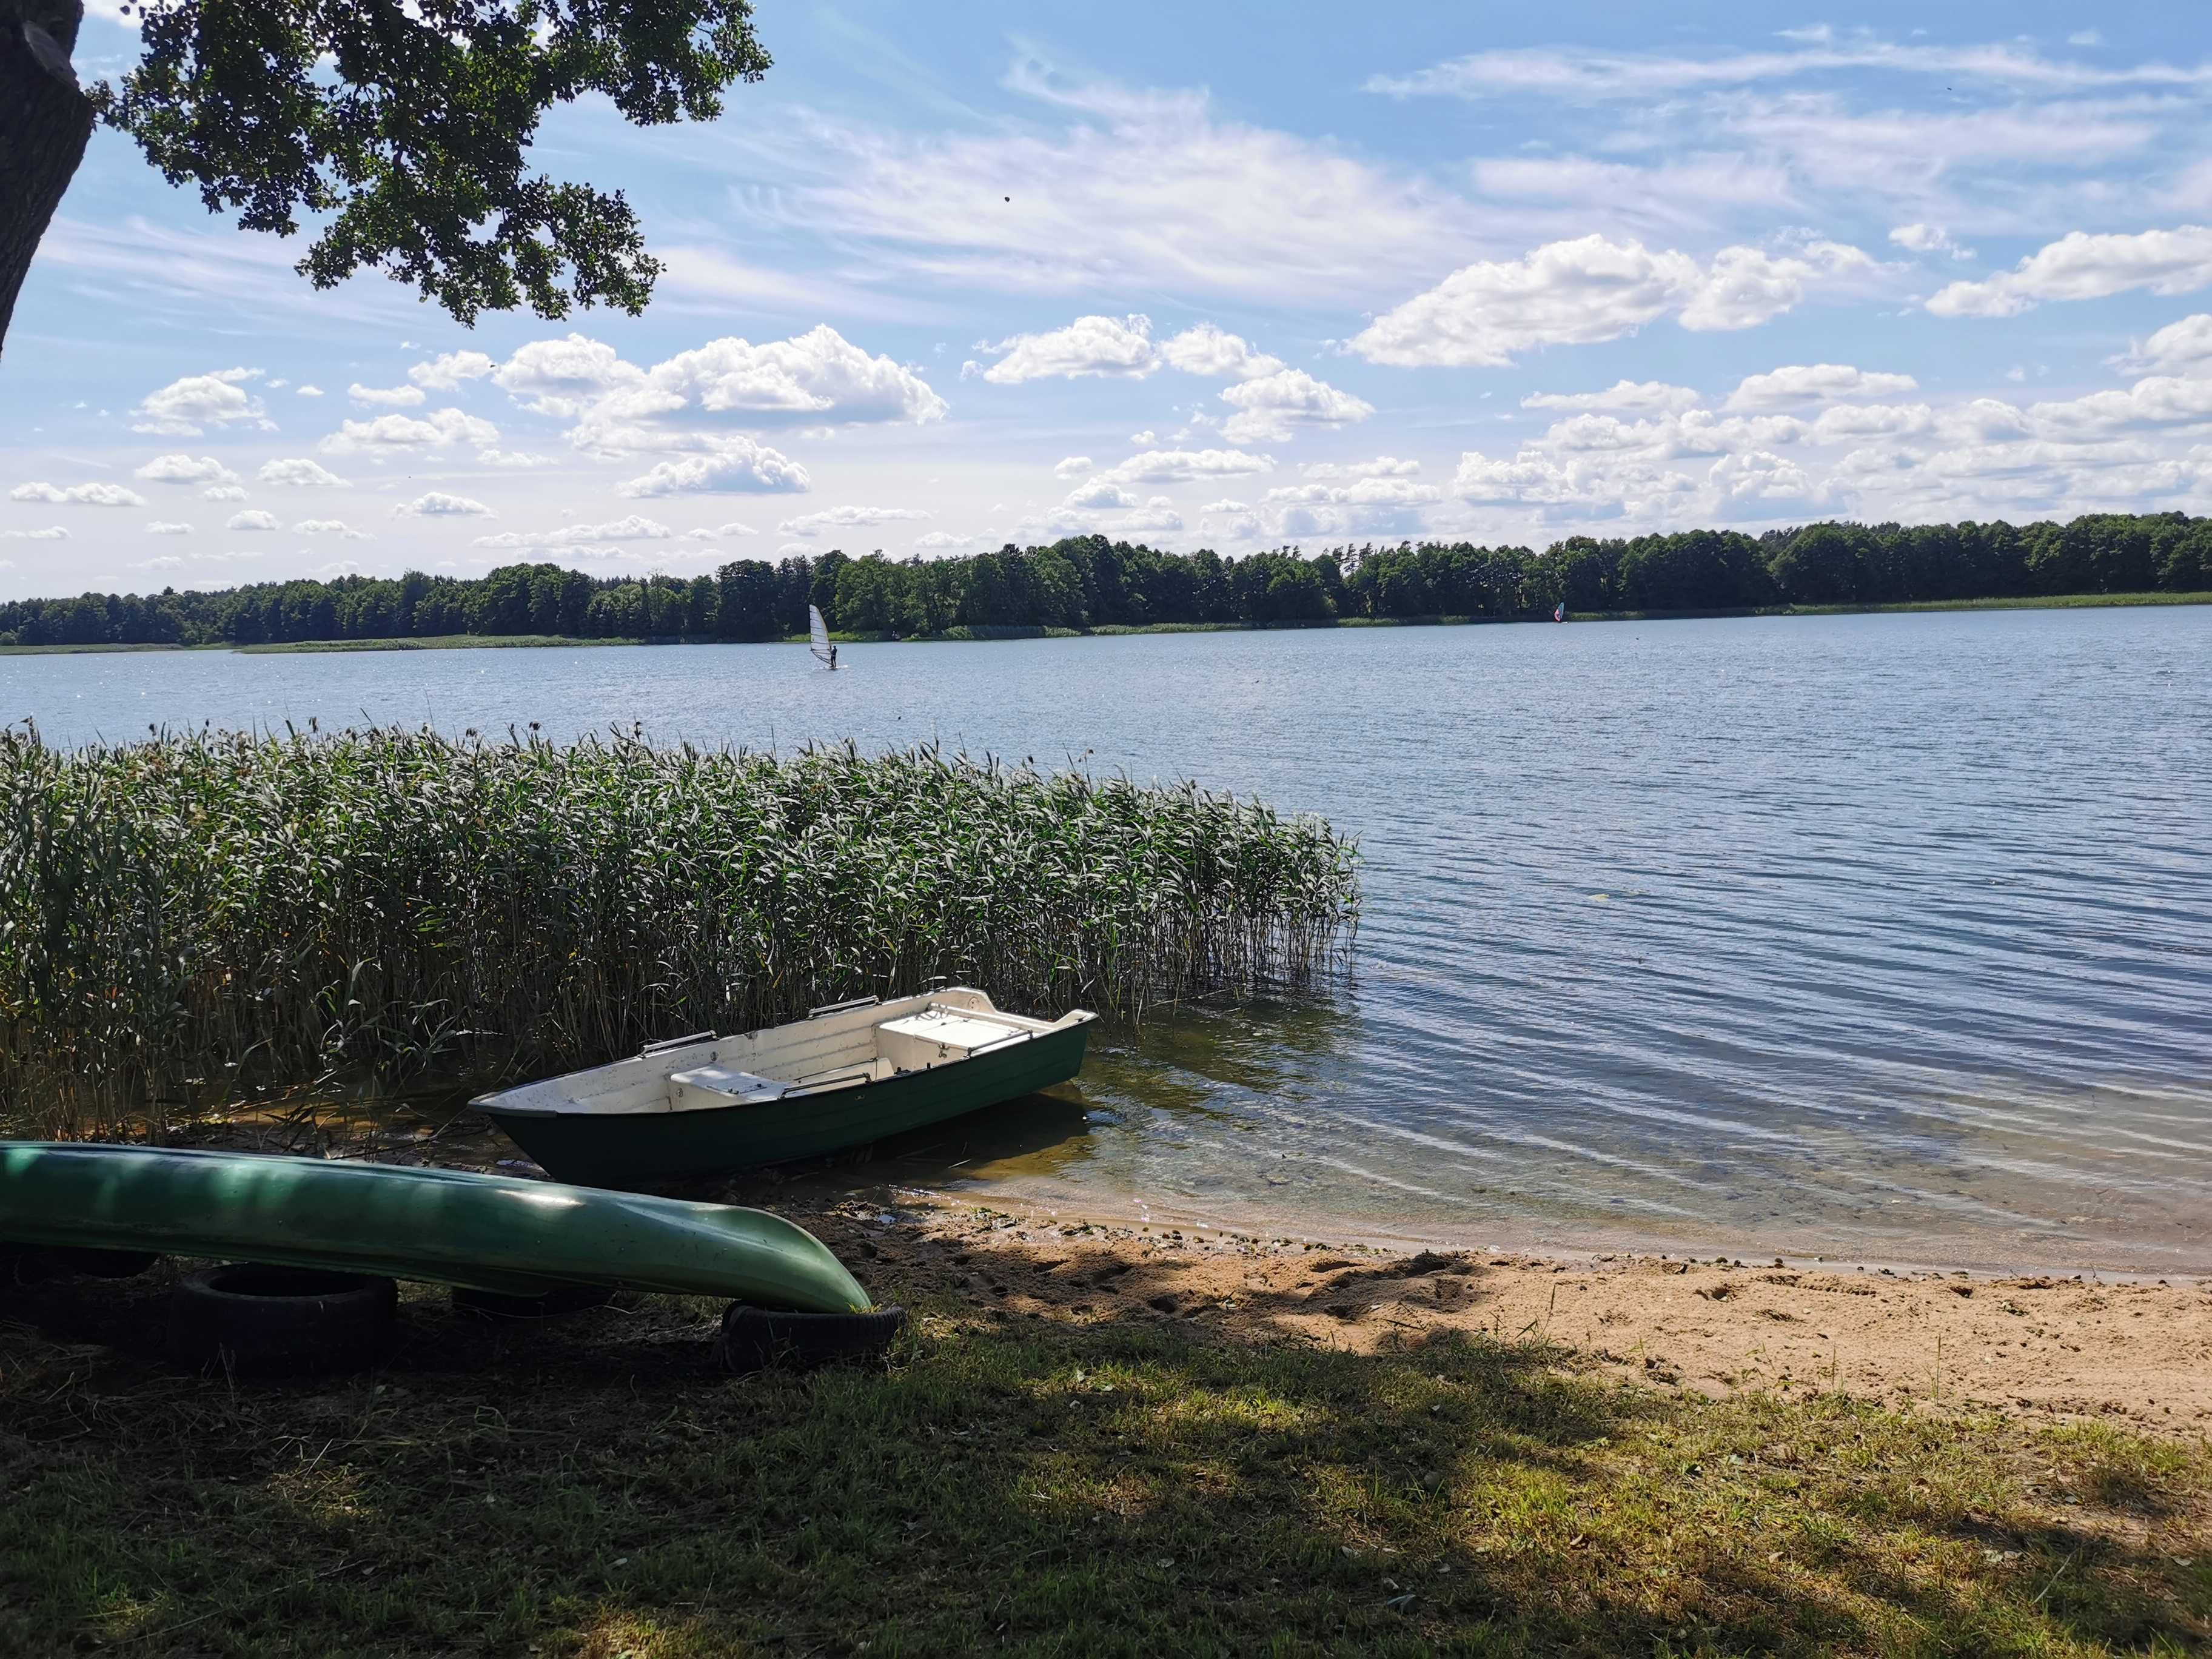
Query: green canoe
x=495 y=1233
x=844 y=1076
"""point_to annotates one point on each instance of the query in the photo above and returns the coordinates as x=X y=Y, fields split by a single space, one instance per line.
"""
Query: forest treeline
x=1089 y=581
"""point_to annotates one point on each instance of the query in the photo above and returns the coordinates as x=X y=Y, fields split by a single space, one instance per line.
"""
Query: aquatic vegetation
x=198 y=919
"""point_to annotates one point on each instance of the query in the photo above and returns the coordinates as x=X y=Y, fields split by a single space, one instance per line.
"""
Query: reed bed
x=203 y=919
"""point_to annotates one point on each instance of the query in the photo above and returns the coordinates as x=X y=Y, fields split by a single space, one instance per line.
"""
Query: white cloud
x=1096 y=494
x=2079 y=266
x=705 y=533
x=330 y=527
x=1631 y=396
x=440 y=427
x=184 y=408
x=298 y=472
x=1929 y=239
x=1589 y=290
x=2182 y=347
x=50 y=533
x=223 y=493
x=1156 y=514
x=1089 y=345
x=448 y=369
x=253 y=518
x=1854 y=421
x=438 y=504
x=517 y=459
x=1269 y=407
x=1211 y=351
x=1181 y=465
x=632 y=528
x=739 y=467
x=1807 y=383
x=937 y=540
x=1144 y=439
x=184 y=469
x=1073 y=466
x=847 y=517
x=100 y=494
x=1382 y=467
x=1590 y=75
x=558 y=377
x=308 y=391
x=166 y=562
x=392 y=397
x=168 y=527
x=1759 y=476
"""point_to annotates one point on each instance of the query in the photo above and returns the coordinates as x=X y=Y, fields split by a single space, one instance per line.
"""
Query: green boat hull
x=497 y=1233
x=642 y=1149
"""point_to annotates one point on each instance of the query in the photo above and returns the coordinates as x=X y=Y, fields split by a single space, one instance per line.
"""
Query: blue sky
x=1226 y=275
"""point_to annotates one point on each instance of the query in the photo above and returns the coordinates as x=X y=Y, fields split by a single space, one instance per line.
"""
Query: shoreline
x=1012 y=632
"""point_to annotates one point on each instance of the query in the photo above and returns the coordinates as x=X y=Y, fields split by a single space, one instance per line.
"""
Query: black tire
x=755 y=1339
x=554 y=1304
x=264 y=1320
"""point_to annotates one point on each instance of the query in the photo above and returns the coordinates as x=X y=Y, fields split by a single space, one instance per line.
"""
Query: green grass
x=1028 y=1485
x=198 y=920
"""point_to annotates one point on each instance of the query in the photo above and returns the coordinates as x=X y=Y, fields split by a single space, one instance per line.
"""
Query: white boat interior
x=841 y=1047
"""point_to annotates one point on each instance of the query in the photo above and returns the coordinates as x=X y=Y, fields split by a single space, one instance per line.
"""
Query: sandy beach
x=2043 y=1347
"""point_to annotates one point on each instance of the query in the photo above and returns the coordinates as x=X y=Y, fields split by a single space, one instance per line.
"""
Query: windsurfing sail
x=819 y=637
x=1559 y=611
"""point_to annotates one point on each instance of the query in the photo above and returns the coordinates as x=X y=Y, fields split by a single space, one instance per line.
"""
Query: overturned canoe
x=496 y=1233
x=844 y=1076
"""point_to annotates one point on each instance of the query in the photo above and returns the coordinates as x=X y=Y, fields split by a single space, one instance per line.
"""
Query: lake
x=1881 y=938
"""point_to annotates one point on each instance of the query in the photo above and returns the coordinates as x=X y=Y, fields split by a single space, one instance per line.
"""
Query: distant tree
x=401 y=127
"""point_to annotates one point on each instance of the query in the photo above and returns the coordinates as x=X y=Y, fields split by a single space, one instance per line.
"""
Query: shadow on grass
x=1122 y=1483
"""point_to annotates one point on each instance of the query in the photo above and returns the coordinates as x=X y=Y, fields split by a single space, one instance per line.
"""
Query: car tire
x=265 y=1320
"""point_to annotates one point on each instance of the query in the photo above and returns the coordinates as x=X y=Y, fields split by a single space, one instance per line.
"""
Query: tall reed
x=200 y=919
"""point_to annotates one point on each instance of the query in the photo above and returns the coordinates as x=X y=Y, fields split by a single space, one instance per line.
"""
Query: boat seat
x=929 y=1038
x=720 y=1085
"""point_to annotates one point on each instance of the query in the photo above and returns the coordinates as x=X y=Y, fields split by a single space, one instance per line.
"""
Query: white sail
x=818 y=632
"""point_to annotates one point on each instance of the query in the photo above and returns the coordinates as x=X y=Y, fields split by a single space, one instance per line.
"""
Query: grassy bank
x=196 y=919
x=1062 y=1483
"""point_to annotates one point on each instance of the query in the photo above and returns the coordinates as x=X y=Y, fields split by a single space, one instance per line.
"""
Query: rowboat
x=504 y=1234
x=846 y=1074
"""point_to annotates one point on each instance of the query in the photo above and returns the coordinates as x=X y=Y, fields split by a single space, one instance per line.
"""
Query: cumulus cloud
x=185 y=470
x=297 y=472
x=1073 y=466
x=50 y=533
x=1382 y=467
x=1181 y=465
x=223 y=493
x=1097 y=494
x=1121 y=346
x=739 y=467
x=1156 y=514
x=253 y=519
x=938 y=540
x=100 y=494
x=1808 y=383
x=1759 y=476
x=447 y=370
x=439 y=504
x=2079 y=266
x=2181 y=347
x=847 y=517
x=1855 y=420
x=437 y=430
x=1634 y=397
x=558 y=377
x=715 y=533
x=1929 y=239
x=330 y=527
x=184 y=408
x=308 y=391
x=392 y=397
x=1269 y=407
x=168 y=527
x=1593 y=289
x=1212 y=351
x=634 y=527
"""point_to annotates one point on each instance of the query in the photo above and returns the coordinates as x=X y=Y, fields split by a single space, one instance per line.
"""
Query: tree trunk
x=45 y=120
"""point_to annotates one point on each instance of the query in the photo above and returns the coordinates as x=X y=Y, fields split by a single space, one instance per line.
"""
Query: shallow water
x=1881 y=937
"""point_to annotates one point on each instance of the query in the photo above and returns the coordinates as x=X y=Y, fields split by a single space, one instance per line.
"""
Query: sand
x=2138 y=1352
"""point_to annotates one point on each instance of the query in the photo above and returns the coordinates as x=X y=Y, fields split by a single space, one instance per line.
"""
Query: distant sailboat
x=1559 y=611
x=818 y=632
